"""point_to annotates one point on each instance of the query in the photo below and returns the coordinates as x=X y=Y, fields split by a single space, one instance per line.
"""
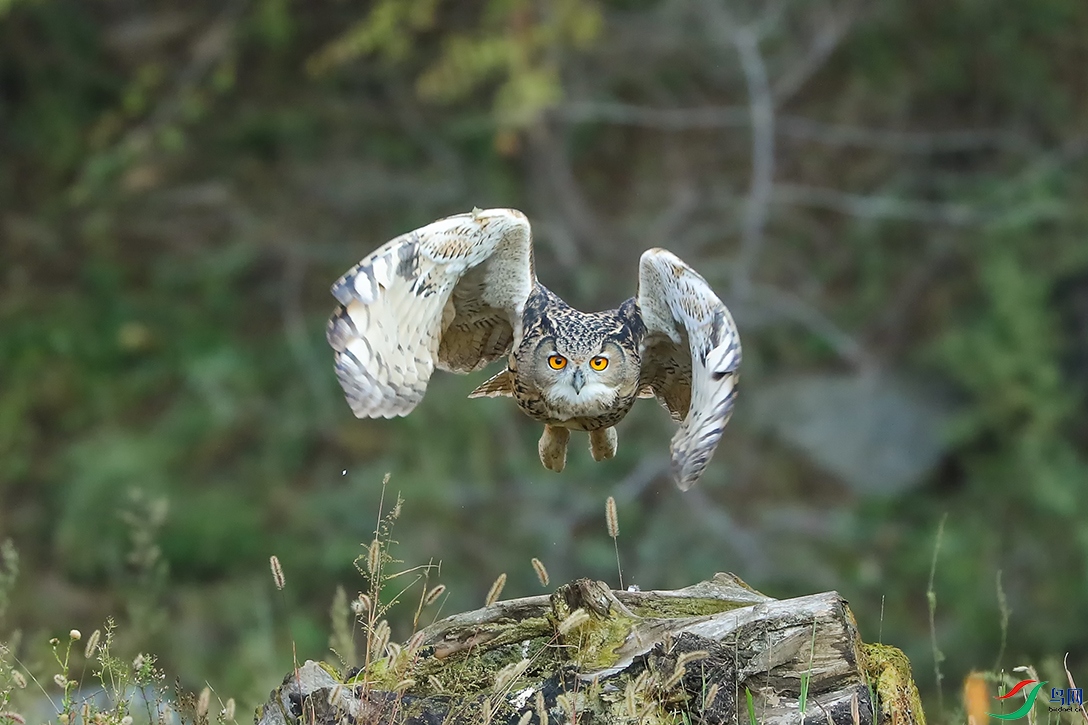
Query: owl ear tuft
x=497 y=386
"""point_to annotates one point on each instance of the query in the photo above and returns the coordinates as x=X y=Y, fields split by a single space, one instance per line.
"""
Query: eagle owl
x=462 y=292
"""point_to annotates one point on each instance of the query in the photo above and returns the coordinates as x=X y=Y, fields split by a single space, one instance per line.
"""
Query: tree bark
x=715 y=652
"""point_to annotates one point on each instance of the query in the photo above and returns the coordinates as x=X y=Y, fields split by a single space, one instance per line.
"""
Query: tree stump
x=715 y=652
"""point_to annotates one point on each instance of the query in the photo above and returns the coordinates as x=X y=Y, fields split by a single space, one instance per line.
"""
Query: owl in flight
x=461 y=292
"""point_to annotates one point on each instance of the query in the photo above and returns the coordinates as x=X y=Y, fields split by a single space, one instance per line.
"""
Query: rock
x=880 y=435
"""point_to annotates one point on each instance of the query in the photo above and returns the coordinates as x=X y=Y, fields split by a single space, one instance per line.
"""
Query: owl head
x=581 y=368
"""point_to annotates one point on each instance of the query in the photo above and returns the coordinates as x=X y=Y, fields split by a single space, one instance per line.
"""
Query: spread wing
x=450 y=294
x=690 y=357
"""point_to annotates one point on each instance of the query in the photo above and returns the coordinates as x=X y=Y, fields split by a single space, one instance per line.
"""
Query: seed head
x=379 y=637
x=495 y=590
x=611 y=517
x=277 y=571
x=202 y=703
x=541 y=708
x=630 y=703
x=566 y=702
x=508 y=674
x=14 y=717
x=92 y=644
x=416 y=641
x=75 y=635
x=433 y=595
x=573 y=620
x=228 y=711
x=61 y=680
x=675 y=677
x=692 y=656
x=18 y=678
x=374 y=558
x=541 y=572
x=711 y=693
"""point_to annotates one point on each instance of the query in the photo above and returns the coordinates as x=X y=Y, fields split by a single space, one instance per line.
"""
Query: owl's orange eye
x=598 y=363
x=557 y=362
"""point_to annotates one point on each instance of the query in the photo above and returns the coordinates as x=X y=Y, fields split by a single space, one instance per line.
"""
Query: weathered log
x=715 y=652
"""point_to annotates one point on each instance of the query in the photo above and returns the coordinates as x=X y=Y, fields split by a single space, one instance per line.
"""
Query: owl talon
x=602 y=443
x=553 y=448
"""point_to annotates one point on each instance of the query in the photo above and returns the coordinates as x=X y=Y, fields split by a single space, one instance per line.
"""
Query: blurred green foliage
x=180 y=183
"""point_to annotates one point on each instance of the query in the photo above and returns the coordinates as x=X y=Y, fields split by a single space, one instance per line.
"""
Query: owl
x=462 y=292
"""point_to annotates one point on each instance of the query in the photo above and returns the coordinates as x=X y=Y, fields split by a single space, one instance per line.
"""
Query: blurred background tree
x=889 y=194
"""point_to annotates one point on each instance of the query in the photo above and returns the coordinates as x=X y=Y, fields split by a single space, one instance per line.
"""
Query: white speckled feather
x=691 y=355
x=450 y=294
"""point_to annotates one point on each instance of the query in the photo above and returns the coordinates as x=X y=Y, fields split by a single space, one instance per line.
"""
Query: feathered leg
x=602 y=443
x=553 y=447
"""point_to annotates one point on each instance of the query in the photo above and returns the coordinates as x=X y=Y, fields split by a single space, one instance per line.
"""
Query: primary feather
x=449 y=295
x=694 y=354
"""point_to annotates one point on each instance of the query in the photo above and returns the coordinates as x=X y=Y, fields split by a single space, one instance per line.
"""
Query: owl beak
x=578 y=381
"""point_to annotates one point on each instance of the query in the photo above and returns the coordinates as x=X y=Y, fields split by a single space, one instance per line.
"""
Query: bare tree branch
x=551 y=164
x=831 y=32
x=745 y=39
x=877 y=207
x=796 y=127
x=771 y=302
x=761 y=107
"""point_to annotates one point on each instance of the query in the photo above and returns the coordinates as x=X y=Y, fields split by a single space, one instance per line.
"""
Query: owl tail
x=497 y=386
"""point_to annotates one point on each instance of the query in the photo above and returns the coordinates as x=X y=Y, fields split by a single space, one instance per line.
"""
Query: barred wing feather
x=690 y=357
x=448 y=295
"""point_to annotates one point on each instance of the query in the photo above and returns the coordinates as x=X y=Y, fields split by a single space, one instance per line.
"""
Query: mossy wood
x=715 y=652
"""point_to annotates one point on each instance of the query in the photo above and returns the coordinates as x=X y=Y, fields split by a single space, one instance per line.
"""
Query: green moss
x=333 y=672
x=888 y=670
x=598 y=640
x=675 y=607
